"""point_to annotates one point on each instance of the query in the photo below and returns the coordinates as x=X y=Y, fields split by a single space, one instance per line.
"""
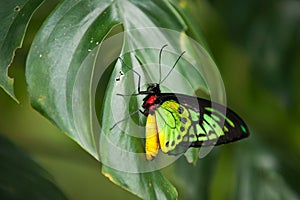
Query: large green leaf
x=14 y=18
x=73 y=78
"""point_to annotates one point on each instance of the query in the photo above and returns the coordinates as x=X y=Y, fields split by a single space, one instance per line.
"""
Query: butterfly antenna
x=147 y=76
x=139 y=76
x=173 y=67
x=159 y=61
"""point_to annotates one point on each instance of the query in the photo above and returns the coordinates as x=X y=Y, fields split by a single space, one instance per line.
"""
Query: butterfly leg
x=133 y=113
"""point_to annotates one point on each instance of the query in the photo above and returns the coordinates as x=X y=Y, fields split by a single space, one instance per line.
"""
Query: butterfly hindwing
x=173 y=123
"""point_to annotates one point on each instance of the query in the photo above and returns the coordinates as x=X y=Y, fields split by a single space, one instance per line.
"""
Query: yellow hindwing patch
x=152 y=144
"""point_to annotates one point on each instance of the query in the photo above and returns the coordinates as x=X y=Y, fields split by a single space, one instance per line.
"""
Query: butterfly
x=176 y=122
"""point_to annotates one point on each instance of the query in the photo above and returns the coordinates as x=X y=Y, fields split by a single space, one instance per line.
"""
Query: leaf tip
x=8 y=88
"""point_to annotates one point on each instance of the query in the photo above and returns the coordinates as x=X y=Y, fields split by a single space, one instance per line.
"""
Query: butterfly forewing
x=209 y=123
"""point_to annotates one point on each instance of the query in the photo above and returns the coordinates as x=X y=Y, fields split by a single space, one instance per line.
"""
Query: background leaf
x=21 y=177
x=259 y=174
x=14 y=18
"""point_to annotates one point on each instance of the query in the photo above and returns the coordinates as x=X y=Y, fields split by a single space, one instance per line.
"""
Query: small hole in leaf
x=17 y=8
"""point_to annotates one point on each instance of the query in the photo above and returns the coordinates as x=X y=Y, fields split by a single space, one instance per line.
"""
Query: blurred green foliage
x=256 y=47
x=22 y=178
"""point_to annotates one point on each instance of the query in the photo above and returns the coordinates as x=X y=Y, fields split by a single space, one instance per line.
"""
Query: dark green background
x=255 y=44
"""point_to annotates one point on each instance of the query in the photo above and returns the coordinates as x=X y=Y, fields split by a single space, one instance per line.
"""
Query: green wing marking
x=221 y=114
x=205 y=127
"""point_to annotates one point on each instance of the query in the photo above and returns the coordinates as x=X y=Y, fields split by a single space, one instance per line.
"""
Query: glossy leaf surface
x=14 y=18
